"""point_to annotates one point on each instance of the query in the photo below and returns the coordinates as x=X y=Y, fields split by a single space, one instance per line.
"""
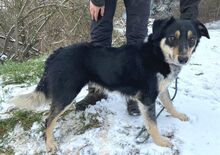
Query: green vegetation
x=22 y=72
x=12 y=72
x=88 y=126
x=25 y=118
x=6 y=151
x=90 y=122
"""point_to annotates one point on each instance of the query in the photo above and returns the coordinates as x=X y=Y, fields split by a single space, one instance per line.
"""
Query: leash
x=162 y=109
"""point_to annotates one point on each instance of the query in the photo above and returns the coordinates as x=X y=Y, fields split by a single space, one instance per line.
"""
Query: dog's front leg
x=147 y=108
x=165 y=99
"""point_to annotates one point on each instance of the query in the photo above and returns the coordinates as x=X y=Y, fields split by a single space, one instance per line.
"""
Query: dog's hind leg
x=59 y=105
x=165 y=99
x=147 y=109
x=56 y=112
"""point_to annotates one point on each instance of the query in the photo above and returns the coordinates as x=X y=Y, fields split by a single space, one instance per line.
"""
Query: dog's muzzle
x=183 y=59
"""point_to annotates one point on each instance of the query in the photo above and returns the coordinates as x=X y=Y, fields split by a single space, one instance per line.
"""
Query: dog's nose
x=182 y=59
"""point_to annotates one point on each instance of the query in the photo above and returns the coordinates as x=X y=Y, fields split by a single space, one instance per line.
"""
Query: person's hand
x=95 y=11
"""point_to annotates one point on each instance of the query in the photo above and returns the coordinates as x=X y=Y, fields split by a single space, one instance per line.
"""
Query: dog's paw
x=163 y=141
x=182 y=117
x=51 y=146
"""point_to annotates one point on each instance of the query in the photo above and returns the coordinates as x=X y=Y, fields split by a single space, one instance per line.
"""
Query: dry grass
x=209 y=10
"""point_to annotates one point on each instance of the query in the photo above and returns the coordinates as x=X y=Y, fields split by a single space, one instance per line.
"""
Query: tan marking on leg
x=165 y=99
x=138 y=95
x=163 y=84
x=51 y=144
x=152 y=128
x=157 y=138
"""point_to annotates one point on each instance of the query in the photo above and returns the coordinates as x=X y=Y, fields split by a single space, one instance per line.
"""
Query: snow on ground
x=213 y=25
x=198 y=97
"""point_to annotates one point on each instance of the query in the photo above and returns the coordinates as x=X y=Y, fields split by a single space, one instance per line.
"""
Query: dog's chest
x=164 y=82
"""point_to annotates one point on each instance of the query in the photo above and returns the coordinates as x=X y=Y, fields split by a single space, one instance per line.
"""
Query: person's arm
x=96 y=7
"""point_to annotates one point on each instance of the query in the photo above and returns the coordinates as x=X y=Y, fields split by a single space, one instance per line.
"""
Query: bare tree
x=42 y=24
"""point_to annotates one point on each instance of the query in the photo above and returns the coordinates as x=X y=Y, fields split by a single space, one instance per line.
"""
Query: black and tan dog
x=142 y=73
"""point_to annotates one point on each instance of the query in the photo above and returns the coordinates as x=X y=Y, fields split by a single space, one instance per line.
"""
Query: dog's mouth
x=179 y=60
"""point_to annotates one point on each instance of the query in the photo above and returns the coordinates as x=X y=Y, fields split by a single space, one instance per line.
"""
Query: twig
x=33 y=20
x=25 y=51
x=20 y=43
x=22 y=9
x=74 y=28
x=63 y=16
x=44 y=6
x=78 y=152
x=7 y=38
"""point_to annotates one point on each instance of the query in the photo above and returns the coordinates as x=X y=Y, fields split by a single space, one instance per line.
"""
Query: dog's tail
x=39 y=97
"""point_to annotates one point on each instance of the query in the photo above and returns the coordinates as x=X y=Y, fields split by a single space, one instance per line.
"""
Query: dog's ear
x=159 y=25
x=202 y=29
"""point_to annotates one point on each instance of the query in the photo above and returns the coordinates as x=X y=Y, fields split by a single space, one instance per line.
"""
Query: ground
x=106 y=128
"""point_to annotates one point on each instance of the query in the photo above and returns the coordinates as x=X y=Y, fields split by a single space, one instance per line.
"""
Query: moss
x=88 y=123
x=25 y=118
x=86 y=127
x=6 y=125
x=6 y=151
x=22 y=72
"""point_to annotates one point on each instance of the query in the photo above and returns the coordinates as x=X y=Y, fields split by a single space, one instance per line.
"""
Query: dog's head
x=178 y=38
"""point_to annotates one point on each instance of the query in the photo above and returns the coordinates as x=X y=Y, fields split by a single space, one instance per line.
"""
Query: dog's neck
x=153 y=58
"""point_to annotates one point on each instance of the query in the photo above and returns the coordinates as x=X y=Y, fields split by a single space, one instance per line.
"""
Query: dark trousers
x=136 y=24
x=189 y=9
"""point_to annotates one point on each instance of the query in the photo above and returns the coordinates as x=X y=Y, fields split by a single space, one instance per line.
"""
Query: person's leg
x=137 y=20
x=189 y=9
x=101 y=31
x=136 y=31
x=101 y=35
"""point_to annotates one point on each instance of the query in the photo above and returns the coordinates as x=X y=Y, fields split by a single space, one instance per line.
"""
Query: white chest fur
x=164 y=82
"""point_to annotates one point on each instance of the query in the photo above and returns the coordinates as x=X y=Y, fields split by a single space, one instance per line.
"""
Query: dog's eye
x=191 y=41
x=171 y=39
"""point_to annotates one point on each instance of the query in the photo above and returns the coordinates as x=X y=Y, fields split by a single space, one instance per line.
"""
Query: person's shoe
x=92 y=97
x=132 y=108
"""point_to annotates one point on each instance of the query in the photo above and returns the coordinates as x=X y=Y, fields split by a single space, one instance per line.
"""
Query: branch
x=42 y=6
x=37 y=22
x=7 y=38
x=74 y=28
x=25 y=51
x=63 y=17
x=22 y=9
x=20 y=43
